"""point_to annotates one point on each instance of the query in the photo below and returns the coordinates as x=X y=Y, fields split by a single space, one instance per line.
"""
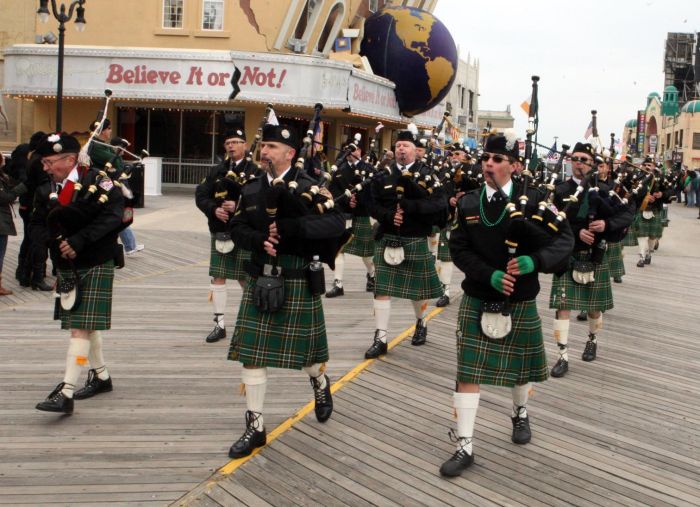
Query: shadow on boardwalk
x=620 y=431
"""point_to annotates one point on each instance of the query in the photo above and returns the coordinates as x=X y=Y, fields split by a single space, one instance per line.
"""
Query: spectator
x=10 y=189
x=689 y=186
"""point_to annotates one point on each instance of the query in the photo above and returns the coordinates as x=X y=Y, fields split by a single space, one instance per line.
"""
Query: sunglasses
x=496 y=157
x=583 y=160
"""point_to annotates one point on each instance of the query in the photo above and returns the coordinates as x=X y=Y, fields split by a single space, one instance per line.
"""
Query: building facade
x=463 y=103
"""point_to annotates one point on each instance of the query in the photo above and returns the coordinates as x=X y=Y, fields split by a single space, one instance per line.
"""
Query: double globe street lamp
x=63 y=15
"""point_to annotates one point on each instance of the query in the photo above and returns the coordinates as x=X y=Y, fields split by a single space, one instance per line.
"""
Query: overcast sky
x=595 y=54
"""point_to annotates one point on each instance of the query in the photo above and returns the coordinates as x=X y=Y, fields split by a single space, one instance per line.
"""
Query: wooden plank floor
x=619 y=431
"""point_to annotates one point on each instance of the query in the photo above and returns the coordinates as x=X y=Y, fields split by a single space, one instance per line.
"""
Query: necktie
x=65 y=195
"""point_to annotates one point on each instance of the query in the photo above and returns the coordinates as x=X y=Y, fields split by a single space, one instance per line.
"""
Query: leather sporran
x=268 y=293
x=583 y=272
x=494 y=324
x=223 y=242
x=70 y=292
x=393 y=253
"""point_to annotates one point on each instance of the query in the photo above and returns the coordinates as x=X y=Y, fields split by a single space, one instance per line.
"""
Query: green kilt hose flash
x=569 y=295
x=652 y=228
x=95 y=310
x=444 y=246
x=515 y=360
x=229 y=266
x=616 y=264
x=293 y=337
x=362 y=242
x=415 y=278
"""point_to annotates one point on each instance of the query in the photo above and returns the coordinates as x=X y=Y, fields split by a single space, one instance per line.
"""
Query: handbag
x=583 y=272
x=496 y=323
x=223 y=242
x=268 y=293
x=393 y=253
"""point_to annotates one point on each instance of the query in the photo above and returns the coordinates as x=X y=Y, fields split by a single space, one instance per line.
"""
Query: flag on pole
x=525 y=106
x=318 y=137
x=589 y=130
x=552 y=155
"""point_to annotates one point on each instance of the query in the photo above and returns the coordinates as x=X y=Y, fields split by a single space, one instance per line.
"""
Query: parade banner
x=641 y=129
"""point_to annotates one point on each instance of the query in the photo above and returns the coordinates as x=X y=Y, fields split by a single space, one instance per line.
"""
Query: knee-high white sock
x=97 y=360
x=77 y=357
x=382 y=312
x=651 y=243
x=255 y=382
x=561 y=335
x=433 y=241
x=420 y=309
x=520 y=394
x=595 y=325
x=643 y=245
x=369 y=264
x=339 y=269
x=316 y=371
x=466 y=405
x=445 y=275
x=218 y=298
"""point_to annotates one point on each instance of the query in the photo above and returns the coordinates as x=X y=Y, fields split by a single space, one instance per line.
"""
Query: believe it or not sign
x=372 y=96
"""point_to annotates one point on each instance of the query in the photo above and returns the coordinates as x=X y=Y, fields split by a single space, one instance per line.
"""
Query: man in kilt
x=650 y=226
x=280 y=236
x=614 y=253
x=84 y=218
x=406 y=213
x=593 y=297
x=351 y=172
x=493 y=276
x=216 y=197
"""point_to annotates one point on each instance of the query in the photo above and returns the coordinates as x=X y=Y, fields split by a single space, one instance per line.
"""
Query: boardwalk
x=620 y=431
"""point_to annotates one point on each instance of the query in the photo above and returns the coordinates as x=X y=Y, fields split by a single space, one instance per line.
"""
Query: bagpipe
x=250 y=155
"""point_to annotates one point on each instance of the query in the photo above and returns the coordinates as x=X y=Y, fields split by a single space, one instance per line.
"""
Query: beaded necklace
x=485 y=220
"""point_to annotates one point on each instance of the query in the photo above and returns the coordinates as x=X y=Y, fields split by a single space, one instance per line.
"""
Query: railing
x=188 y=171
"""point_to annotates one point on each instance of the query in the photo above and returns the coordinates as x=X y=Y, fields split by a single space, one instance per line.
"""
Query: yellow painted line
x=233 y=465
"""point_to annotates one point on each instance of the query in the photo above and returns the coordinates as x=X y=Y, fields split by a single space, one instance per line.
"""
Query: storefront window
x=132 y=125
x=172 y=13
x=213 y=15
x=197 y=132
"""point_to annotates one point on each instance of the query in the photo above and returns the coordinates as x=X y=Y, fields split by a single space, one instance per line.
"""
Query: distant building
x=682 y=65
x=494 y=120
x=463 y=101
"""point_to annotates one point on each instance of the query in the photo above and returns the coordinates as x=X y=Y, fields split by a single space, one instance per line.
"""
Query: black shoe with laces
x=617 y=279
x=640 y=262
x=589 y=353
x=443 y=301
x=583 y=316
x=57 y=401
x=335 y=292
x=251 y=438
x=378 y=347
x=521 y=429
x=371 y=282
x=218 y=333
x=41 y=285
x=647 y=259
x=420 y=335
x=460 y=460
x=94 y=385
x=560 y=369
x=323 y=401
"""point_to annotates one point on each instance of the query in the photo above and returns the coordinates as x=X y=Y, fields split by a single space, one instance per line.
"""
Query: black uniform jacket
x=345 y=178
x=90 y=227
x=206 y=193
x=422 y=210
x=479 y=250
x=617 y=216
x=302 y=233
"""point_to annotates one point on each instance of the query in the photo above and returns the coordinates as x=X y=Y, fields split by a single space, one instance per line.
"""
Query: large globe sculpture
x=415 y=50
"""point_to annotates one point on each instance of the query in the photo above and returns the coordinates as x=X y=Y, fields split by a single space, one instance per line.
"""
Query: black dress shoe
x=647 y=259
x=560 y=369
x=94 y=385
x=640 y=263
x=57 y=401
x=335 y=292
x=442 y=301
x=420 y=335
x=457 y=464
x=617 y=279
x=589 y=353
x=378 y=348
x=217 y=334
x=41 y=285
x=371 y=282
x=323 y=401
x=656 y=245
x=250 y=440
x=521 y=430
x=583 y=316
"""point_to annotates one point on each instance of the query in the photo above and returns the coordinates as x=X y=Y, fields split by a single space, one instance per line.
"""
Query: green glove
x=525 y=264
x=497 y=280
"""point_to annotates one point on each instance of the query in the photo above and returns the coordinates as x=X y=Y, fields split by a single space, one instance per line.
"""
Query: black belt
x=256 y=270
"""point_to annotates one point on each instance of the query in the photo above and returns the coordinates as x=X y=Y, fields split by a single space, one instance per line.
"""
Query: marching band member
x=650 y=227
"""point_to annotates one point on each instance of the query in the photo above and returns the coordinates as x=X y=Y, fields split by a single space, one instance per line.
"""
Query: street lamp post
x=63 y=17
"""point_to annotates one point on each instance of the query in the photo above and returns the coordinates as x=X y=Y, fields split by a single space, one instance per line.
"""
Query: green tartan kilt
x=292 y=338
x=95 y=310
x=630 y=238
x=229 y=266
x=516 y=359
x=444 y=246
x=569 y=295
x=615 y=263
x=415 y=278
x=362 y=242
x=650 y=228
